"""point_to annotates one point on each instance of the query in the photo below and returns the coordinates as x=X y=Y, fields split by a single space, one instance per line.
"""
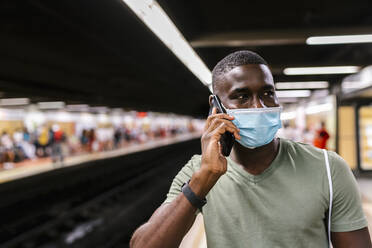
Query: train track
x=108 y=215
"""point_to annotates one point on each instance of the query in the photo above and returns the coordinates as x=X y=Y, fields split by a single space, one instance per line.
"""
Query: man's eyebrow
x=238 y=90
x=246 y=89
x=268 y=87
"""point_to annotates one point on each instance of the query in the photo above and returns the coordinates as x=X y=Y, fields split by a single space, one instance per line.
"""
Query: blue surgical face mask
x=258 y=126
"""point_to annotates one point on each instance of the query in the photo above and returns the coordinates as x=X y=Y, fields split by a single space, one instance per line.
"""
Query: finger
x=216 y=116
x=233 y=130
x=216 y=123
x=222 y=128
x=229 y=128
x=210 y=118
x=214 y=111
x=221 y=116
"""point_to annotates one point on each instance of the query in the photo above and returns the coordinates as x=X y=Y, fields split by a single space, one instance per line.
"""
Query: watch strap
x=192 y=197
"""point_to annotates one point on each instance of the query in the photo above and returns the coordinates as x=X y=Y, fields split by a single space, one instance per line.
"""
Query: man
x=269 y=192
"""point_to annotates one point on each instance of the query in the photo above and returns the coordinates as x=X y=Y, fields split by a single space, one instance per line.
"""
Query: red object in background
x=141 y=114
x=58 y=135
x=321 y=138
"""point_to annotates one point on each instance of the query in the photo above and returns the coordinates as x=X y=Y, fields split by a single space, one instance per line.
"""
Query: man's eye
x=244 y=96
x=269 y=93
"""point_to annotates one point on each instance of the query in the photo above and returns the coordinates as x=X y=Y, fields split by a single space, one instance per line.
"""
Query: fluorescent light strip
x=150 y=12
x=302 y=85
x=339 y=39
x=77 y=107
x=319 y=108
x=51 y=105
x=14 y=101
x=292 y=93
x=355 y=85
x=288 y=100
x=321 y=70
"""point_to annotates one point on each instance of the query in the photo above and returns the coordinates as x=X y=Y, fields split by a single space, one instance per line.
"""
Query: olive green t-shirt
x=285 y=206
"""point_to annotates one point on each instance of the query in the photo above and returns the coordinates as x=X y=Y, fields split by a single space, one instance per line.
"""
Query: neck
x=255 y=161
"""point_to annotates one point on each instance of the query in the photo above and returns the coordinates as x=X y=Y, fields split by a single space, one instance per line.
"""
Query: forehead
x=252 y=76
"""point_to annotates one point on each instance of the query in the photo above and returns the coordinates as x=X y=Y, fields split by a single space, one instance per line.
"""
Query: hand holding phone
x=216 y=143
x=227 y=139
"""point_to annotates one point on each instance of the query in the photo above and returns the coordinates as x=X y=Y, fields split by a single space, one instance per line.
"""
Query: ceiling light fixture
x=77 y=107
x=301 y=85
x=339 y=39
x=293 y=93
x=51 y=105
x=150 y=12
x=318 y=108
x=14 y=101
x=321 y=70
x=289 y=100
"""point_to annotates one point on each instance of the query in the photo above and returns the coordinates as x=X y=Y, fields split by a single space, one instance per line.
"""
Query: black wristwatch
x=193 y=199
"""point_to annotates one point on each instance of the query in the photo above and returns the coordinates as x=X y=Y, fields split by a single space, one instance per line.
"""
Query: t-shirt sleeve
x=347 y=212
x=183 y=176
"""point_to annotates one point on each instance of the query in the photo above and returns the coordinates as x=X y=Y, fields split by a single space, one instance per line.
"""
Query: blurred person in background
x=101 y=138
x=18 y=137
x=127 y=134
x=43 y=140
x=8 y=152
x=84 y=140
x=91 y=135
x=321 y=137
x=117 y=137
x=268 y=192
x=26 y=135
x=58 y=138
x=28 y=145
x=190 y=126
x=18 y=146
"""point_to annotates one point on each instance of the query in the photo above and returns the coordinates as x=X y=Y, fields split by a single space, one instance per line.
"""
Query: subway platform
x=32 y=167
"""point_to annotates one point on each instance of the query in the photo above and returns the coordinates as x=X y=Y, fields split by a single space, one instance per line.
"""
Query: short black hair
x=238 y=58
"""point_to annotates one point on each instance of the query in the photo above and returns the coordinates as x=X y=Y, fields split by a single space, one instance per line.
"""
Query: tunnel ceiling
x=99 y=52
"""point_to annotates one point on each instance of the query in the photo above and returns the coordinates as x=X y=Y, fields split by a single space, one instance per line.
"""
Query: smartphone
x=227 y=139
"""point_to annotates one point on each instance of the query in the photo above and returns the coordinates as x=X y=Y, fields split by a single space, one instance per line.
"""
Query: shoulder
x=339 y=168
x=301 y=151
x=195 y=162
x=192 y=165
x=314 y=155
x=196 y=158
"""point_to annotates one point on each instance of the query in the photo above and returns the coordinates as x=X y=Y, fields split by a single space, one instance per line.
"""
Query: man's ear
x=210 y=100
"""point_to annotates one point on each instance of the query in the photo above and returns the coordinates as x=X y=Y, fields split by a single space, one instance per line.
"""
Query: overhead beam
x=270 y=37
